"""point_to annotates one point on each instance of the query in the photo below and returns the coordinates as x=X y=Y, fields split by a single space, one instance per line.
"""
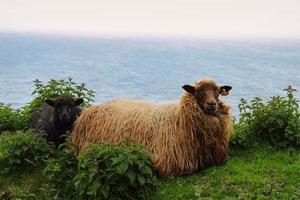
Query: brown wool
x=179 y=135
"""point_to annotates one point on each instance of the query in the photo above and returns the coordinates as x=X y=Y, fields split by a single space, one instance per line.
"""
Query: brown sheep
x=183 y=137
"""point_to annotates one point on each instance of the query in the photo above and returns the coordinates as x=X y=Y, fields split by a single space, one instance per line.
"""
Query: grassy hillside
x=261 y=173
x=253 y=174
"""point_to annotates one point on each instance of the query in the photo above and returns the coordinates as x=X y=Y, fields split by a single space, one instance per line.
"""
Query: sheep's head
x=207 y=94
x=65 y=109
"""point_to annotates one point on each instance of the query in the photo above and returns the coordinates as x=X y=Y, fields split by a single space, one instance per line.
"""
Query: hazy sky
x=188 y=18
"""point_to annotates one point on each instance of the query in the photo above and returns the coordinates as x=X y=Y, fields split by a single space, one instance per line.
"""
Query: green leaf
x=147 y=170
x=141 y=179
x=122 y=168
x=131 y=175
x=105 y=191
x=92 y=189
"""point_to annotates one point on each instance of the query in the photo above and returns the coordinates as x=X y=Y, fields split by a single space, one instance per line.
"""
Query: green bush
x=22 y=151
x=114 y=172
x=53 y=89
x=60 y=172
x=276 y=122
x=9 y=118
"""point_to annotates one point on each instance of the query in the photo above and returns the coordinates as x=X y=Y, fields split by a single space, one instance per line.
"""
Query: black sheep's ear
x=78 y=102
x=224 y=90
x=50 y=102
x=189 y=89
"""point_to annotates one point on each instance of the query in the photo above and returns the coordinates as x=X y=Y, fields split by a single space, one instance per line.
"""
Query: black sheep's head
x=65 y=109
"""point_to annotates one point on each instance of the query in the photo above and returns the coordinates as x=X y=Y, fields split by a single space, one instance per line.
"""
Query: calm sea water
x=147 y=68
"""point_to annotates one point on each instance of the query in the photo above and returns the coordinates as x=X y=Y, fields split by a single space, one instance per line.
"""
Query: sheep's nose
x=211 y=103
x=65 y=116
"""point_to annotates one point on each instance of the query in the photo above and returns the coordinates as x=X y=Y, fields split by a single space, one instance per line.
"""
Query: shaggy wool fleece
x=179 y=135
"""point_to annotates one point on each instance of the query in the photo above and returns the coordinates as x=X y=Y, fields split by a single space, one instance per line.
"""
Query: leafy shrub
x=114 y=172
x=53 y=89
x=276 y=122
x=9 y=118
x=59 y=172
x=20 y=151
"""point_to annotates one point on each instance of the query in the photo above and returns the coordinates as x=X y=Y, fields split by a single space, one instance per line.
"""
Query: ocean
x=147 y=68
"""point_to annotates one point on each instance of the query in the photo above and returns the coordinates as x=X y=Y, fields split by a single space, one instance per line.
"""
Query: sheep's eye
x=201 y=93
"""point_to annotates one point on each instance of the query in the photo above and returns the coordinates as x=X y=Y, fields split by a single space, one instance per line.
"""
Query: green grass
x=21 y=185
x=262 y=173
x=253 y=174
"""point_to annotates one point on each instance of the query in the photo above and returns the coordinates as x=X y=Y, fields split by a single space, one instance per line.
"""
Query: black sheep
x=54 y=119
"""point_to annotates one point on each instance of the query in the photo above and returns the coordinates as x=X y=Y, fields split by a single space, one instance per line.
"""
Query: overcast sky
x=188 y=18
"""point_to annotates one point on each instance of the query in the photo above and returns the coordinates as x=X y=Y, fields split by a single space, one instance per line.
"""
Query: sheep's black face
x=65 y=110
x=66 y=114
x=207 y=95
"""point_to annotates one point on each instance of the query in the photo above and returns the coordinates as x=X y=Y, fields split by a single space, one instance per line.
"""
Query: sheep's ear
x=78 y=102
x=189 y=89
x=50 y=102
x=224 y=90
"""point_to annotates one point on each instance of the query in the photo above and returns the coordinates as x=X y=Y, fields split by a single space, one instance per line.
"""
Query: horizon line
x=140 y=36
